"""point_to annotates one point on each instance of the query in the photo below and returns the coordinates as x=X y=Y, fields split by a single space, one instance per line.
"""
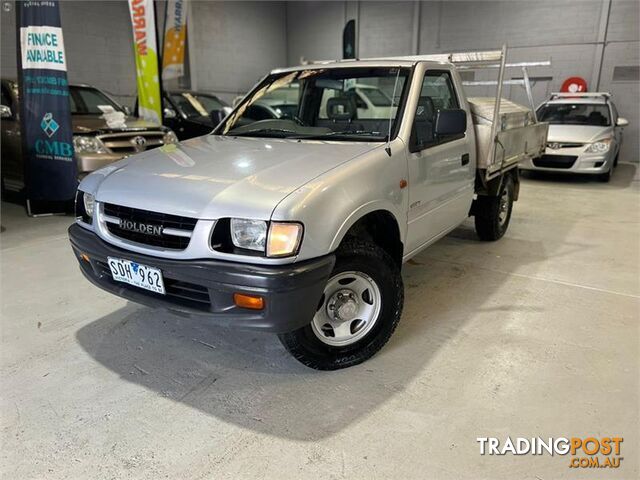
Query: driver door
x=441 y=170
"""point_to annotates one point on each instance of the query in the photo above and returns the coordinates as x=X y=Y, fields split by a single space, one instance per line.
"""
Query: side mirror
x=622 y=122
x=169 y=112
x=217 y=116
x=451 y=122
x=5 y=112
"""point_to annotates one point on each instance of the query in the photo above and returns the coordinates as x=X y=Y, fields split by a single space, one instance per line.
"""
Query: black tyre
x=492 y=214
x=358 y=312
x=606 y=176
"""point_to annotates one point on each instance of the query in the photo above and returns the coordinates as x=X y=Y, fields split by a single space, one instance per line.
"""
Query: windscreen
x=323 y=103
x=195 y=105
x=575 y=114
x=90 y=101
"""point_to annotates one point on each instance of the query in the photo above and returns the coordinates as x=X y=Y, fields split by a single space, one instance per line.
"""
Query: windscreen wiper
x=345 y=133
x=269 y=131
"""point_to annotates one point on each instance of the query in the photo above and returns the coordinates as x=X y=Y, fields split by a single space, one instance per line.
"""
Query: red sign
x=574 y=85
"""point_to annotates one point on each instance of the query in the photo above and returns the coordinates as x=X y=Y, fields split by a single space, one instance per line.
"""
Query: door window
x=437 y=93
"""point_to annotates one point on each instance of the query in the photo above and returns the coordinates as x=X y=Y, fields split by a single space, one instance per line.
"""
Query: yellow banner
x=175 y=39
x=144 y=37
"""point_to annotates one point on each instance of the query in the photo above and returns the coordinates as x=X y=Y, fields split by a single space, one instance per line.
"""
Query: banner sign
x=175 y=39
x=145 y=47
x=349 y=40
x=45 y=117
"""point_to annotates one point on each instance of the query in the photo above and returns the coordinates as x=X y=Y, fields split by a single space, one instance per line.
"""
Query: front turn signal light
x=252 y=302
x=283 y=239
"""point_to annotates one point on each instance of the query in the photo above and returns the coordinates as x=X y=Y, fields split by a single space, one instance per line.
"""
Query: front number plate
x=137 y=275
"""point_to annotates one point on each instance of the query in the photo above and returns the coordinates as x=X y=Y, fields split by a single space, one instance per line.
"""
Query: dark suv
x=192 y=114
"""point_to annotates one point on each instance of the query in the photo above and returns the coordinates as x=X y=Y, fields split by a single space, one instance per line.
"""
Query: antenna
x=393 y=99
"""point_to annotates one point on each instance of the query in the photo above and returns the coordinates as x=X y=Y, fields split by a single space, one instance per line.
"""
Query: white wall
x=236 y=44
x=573 y=34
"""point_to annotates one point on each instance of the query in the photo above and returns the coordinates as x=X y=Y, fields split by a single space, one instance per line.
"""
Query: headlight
x=83 y=144
x=169 y=138
x=278 y=239
x=89 y=203
x=601 y=146
x=284 y=239
x=250 y=234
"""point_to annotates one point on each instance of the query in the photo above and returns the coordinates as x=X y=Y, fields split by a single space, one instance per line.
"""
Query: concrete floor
x=535 y=335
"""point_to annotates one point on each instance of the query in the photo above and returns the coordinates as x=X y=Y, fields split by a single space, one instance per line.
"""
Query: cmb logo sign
x=52 y=148
x=49 y=125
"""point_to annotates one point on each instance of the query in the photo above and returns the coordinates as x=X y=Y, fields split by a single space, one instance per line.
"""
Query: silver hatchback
x=585 y=134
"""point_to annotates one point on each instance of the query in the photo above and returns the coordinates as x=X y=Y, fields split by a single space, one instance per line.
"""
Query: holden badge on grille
x=140 y=227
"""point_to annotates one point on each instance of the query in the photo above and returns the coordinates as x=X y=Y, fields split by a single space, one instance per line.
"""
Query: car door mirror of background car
x=622 y=122
x=169 y=113
x=5 y=112
x=217 y=116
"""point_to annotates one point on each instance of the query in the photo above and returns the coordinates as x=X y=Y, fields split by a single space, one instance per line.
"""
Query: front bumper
x=571 y=160
x=205 y=287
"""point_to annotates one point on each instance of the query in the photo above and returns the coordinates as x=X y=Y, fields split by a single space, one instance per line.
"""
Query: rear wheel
x=357 y=314
x=492 y=214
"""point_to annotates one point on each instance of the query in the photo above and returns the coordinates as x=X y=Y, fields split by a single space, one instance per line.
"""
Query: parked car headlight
x=284 y=239
x=84 y=144
x=89 y=203
x=170 y=137
x=601 y=146
x=249 y=234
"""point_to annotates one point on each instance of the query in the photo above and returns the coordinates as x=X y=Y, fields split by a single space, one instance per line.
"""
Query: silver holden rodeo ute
x=300 y=225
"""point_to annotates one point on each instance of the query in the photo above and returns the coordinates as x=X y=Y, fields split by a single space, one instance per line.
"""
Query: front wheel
x=606 y=176
x=492 y=214
x=357 y=314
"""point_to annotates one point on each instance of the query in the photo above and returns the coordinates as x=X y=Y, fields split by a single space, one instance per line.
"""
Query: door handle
x=465 y=159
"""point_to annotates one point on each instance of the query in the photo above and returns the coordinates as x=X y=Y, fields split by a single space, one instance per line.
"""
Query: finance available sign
x=42 y=48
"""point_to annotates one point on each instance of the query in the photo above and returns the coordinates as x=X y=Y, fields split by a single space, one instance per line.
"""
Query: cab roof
x=368 y=63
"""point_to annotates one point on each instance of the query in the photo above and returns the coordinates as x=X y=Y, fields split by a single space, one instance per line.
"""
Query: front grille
x=183 y=293
x=555 y=161
x=165 y=240
x=558 y=145
x=129 y=143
